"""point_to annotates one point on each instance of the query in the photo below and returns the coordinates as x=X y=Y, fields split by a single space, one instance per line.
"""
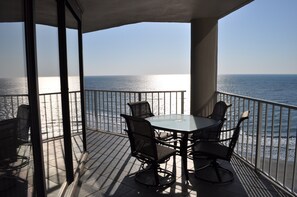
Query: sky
x=259 y=38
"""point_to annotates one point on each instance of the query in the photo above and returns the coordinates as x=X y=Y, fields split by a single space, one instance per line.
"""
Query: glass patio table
x=183 y=124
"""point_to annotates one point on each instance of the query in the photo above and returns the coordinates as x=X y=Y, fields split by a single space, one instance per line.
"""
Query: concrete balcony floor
x=21 y=182
x=110 y=169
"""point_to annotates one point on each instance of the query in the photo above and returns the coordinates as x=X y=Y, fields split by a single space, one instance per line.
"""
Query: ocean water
x=138 y=83
x=277 y=88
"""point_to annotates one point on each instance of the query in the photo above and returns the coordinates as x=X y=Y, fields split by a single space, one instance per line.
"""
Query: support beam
x=65 y=90
x=204 y=44
x=33 y=91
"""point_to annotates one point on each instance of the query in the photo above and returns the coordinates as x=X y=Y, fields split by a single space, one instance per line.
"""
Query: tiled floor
x=110 y=168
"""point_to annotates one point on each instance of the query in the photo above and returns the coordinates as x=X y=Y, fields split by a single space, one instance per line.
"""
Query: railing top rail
x=260 y=100
x=124 y=91
x=10 y=95
x=42 y=94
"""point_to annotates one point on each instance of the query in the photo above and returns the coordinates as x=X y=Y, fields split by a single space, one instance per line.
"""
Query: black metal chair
x=146 y=148
x=219 y=110
x=142 y=109
x=23 y=124
x=214 y=150
x=13 y=133
x=213 y=133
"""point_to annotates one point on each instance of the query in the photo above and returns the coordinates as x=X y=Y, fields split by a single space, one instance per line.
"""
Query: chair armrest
x=8 y=121
x=8 y=124
x=209 y=141
x=167 y=143
x=226 y=130
x=223 y=140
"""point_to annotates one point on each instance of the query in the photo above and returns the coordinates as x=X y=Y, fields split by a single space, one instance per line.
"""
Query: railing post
x=95 y=109
x=139 y=96
x=182 y=102
x=258 y=137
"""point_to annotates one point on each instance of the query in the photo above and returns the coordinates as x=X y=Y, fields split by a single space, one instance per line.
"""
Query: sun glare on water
x=52 y=84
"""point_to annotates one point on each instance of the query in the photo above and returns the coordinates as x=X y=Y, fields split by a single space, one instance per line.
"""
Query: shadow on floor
x=13 y=186
x=110 y=172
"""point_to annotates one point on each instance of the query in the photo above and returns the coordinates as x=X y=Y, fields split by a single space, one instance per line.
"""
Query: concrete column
x=204 y=44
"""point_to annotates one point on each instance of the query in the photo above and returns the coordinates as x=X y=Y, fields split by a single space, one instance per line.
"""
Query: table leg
x=183 y=150
x=175 y=138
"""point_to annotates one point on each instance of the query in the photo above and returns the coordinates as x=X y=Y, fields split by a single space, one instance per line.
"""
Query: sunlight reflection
x=169 y=82
x=49 y=84
x=52 y=84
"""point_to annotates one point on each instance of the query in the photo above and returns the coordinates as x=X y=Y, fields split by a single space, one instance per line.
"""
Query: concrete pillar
x=204 y=44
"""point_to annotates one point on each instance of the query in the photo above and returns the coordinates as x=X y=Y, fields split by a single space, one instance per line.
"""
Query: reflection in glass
x=13 y=79
x=74 y=85
x=47 y=43
x=14 y=155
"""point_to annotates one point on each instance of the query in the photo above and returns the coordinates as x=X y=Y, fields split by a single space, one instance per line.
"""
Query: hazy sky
x=258 y=38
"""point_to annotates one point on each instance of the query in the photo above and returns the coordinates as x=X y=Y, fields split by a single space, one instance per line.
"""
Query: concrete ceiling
x=111 y=13
x=103 y=14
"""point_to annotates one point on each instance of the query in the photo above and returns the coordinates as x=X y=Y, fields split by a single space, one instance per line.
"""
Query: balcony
x=265 y=159
x=110 y=168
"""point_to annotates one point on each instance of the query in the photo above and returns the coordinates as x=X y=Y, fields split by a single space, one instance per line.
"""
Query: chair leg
x=216 y=167
x=154 y=176
x=220 y=174
x=155 y=168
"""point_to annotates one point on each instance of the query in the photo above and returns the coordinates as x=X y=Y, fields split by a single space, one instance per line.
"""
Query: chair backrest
x=142 y=138
x=235 y=135
x=213 y=133
x=219 y=111
x=140 y=109
x=8 y=140
x=23 y=123
x=209 y=133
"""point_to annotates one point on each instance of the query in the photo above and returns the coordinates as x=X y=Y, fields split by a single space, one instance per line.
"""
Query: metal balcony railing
x=268 y=139
x=50 y=112
x=103 y=107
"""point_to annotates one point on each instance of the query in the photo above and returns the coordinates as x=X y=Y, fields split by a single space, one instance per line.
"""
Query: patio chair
x=146 y=148
x=142 y=109
x=13 y=133
x=214 y=150
x=19 y=125
x=23 y=124
x=213 y=133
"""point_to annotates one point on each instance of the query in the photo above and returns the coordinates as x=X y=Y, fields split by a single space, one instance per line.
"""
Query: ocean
x=277 y=88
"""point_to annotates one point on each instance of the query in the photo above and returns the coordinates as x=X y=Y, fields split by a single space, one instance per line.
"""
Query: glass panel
x=74 y=86
x=15 y=158
x=47 y=44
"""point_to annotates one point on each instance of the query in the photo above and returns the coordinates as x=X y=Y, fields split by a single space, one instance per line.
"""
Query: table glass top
x=180 y=122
